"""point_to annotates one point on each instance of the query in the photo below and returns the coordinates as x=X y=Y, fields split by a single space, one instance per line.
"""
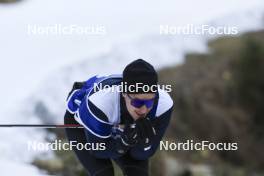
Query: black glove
x=141 y=132
x=129 y=135
x=145 y=130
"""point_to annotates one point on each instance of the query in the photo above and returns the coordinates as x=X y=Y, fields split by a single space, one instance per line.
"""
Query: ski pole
x=40 y=126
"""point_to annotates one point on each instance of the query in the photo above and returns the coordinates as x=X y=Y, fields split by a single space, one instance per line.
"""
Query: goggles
x=138 y=103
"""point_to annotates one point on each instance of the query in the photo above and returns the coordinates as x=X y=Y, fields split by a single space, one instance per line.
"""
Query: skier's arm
x=76 y=85
x=115 y=145
x=160 y=124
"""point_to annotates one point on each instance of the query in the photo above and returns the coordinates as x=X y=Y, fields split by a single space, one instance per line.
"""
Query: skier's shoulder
x=105 y=97
x=106 y=101
x=165 y=102
x=96 y=108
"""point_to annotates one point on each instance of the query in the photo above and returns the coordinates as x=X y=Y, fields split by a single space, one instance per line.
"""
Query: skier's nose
x=143 y=110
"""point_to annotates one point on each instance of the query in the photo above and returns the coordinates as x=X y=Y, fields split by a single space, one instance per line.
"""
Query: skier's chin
x=138 y=116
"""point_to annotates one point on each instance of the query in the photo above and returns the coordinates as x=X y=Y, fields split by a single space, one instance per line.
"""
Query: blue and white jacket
x=100 y=111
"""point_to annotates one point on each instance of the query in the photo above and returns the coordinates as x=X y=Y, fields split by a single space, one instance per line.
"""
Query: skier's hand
x=141 y=132
x=129 y=136
x=145 y=130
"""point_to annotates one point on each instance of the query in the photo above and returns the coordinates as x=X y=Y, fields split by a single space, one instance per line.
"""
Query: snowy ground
x=39 y=70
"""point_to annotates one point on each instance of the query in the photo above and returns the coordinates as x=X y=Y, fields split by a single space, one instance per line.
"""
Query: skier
x=127 y=113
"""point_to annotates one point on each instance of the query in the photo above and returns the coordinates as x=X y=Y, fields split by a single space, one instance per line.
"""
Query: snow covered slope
x=40 y=70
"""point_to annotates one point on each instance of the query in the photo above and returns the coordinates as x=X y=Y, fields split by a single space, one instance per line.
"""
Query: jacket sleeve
x=114 y=145
x=76 y=85
x=160 y=124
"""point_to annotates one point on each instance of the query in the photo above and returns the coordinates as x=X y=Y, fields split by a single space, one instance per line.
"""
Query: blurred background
x=217 y=80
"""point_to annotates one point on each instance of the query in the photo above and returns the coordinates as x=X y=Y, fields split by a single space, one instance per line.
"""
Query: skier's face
x=139 y=105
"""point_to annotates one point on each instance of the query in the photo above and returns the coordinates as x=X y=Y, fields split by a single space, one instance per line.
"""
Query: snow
x=18 y=168
x=37 y=71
